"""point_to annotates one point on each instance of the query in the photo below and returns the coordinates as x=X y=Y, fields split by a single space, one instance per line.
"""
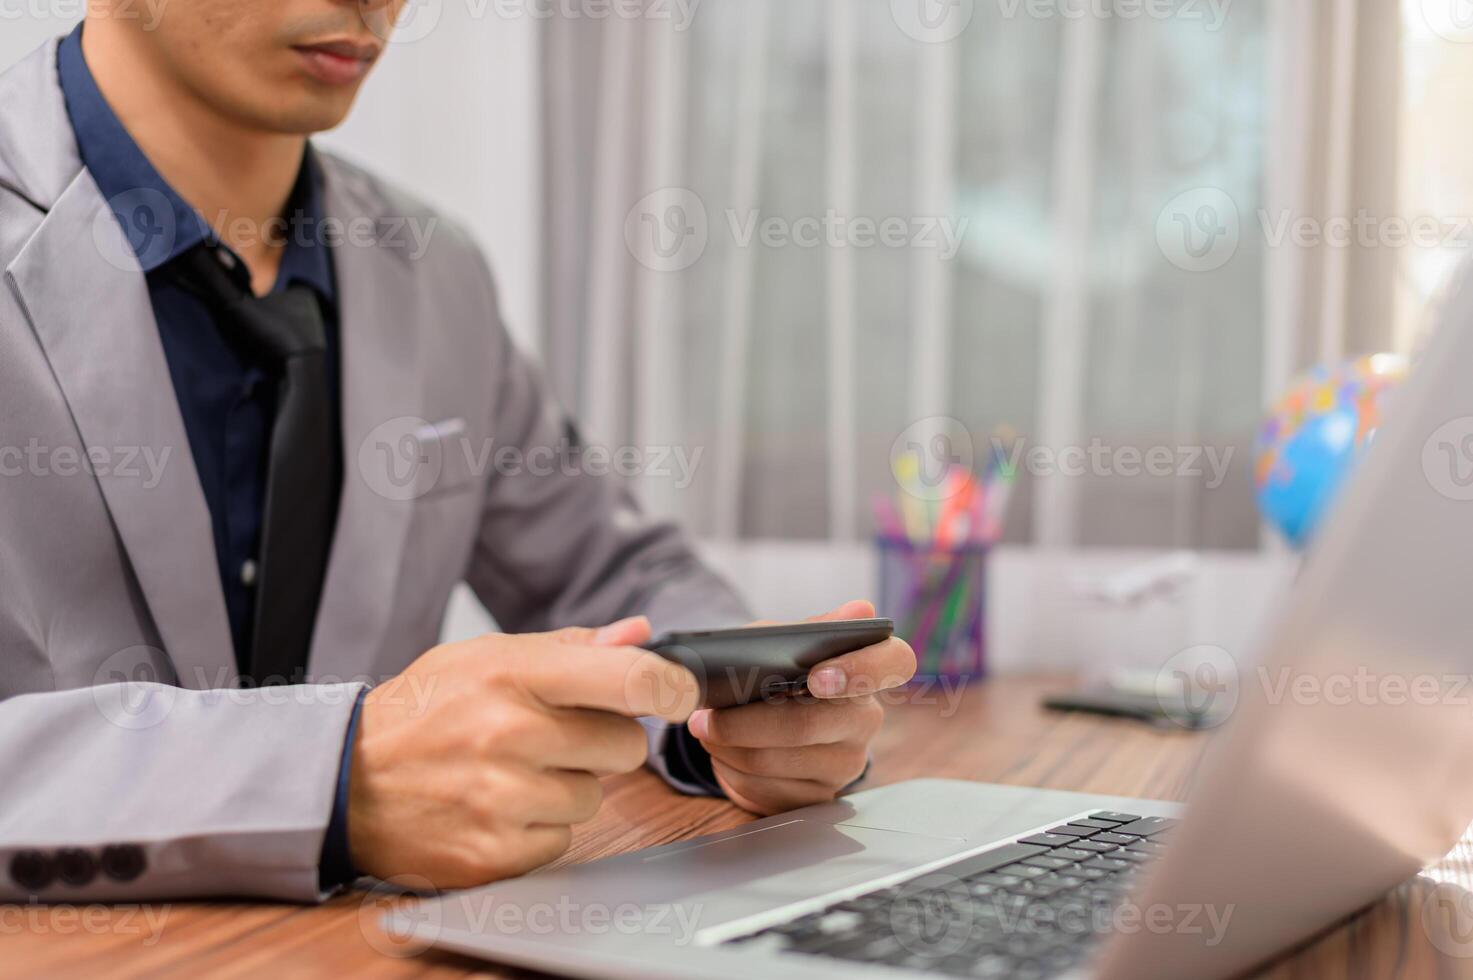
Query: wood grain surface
x=992 y=732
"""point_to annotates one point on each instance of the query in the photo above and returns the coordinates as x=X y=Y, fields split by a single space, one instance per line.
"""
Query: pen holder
x=937 y=596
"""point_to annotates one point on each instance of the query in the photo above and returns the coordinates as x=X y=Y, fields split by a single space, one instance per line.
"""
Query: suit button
x=123 y=862
x=75 y=866
x=32 y=870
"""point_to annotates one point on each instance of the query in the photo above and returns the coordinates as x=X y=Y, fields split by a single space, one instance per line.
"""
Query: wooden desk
x=997 y=734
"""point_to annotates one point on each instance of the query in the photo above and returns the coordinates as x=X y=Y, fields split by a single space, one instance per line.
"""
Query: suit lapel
x=380 y=389
x=88 y=304
x=89 y=307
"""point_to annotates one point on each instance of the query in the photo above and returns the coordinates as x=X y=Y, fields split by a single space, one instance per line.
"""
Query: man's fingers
x=599 y=742
x=539 y=844
x=561 y=797
x=854 y=609
x=768 y=794
x=624 y=680
x=834 y=766
x=631 y=632
x=874 y=668
x=784 y=724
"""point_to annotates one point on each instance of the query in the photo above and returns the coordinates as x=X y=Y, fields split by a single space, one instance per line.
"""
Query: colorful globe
x=1312 y=438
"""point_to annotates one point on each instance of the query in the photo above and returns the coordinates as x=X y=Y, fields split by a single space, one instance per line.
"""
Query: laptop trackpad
x=739 y=876
x=719 y=881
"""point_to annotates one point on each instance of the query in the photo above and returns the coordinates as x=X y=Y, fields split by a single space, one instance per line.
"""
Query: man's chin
x=305 y=112
x=306 y=124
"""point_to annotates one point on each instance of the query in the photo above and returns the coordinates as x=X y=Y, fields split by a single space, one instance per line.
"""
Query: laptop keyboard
x=1027 y=910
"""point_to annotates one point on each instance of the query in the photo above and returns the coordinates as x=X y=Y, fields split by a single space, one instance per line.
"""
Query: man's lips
x=337 y=62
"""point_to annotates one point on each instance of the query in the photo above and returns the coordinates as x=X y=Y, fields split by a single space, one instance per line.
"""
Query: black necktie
x=284 y=332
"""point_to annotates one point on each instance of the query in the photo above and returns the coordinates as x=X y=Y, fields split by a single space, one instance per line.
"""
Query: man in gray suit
x=242 y=466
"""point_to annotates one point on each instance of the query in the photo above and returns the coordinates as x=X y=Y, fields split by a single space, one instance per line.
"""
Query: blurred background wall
x=786 y=235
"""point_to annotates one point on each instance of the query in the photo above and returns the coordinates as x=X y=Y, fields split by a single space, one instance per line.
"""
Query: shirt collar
x=159 y=224
x=307 y=258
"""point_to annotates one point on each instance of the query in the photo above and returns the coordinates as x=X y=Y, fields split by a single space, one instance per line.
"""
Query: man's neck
x=239 y=179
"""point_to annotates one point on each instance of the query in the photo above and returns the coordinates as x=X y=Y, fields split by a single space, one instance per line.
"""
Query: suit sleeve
x=568 y=545
x=98 y=812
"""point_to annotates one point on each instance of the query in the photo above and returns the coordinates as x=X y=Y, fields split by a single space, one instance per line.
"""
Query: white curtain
x=1333 y=148
x=1059 y=148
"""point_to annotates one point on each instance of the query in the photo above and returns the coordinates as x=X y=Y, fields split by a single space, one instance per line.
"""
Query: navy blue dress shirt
x=227 y=401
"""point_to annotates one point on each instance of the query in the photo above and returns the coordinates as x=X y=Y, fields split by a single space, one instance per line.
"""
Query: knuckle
x=485 y=792
x=496 y=666
x=574 y=634
x=509 y=727
x=486 y=740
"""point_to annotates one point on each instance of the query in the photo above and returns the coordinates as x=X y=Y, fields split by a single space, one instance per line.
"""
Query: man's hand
x=473 y=764
x=775 y=755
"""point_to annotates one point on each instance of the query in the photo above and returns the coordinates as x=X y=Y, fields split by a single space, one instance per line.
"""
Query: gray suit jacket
x=123 y=733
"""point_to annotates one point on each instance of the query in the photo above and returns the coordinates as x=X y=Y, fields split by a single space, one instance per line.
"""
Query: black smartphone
x=737 y=666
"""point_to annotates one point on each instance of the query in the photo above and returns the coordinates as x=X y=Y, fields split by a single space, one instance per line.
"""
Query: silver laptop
x=1343 y=771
